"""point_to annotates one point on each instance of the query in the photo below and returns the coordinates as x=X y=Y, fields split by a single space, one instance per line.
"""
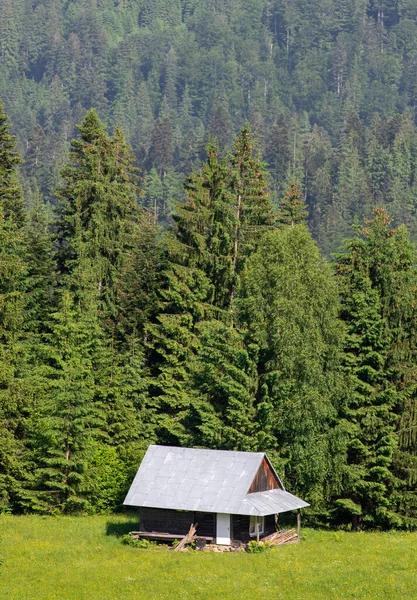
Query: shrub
x=135 y=543
x=255 y=547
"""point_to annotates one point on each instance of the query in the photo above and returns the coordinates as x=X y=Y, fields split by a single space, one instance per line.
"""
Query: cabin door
x=223 y=529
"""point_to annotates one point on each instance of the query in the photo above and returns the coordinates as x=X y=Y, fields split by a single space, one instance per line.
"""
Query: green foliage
x=292 y=210
x=223 y=384
x=290 y=307
x=14 y=404
x=201 y=371
x=41 y=277
x=143 y=544
x=329 y=90
x=223 y=332
x=98 y=208
x=377 y=278
x=108 y=479
x=11 y=198
x=255 y=547
x=67 y=418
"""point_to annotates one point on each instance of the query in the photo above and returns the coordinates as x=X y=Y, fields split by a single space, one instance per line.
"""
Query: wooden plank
x=284 y=539
x=264 y=479
x=273 y=536
x=160 y=535
x=281 y=537
x=187 y=538
x=299 y=524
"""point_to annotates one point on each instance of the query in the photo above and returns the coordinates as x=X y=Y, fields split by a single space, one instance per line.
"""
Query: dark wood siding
x=240 y=527
x=176 y=521
x=206 y=523
x=270 y=525
x=265 y=479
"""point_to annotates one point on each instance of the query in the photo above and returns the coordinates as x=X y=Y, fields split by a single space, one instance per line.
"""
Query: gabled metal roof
x=206 y=481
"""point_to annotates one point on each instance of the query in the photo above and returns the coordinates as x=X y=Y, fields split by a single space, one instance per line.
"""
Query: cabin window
x=252 y=525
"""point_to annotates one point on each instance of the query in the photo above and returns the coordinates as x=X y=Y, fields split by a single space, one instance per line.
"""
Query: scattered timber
x=162 y=536
x=187 y=539
x=279 y=538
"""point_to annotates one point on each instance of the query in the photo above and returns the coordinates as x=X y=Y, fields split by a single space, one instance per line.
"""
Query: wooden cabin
x=233 y=496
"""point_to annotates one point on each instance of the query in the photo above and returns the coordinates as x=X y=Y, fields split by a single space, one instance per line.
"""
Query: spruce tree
x=223 y=384
x=68 y=418
x=41 y=276
x=14 y=402
x=101 y=236
x=11 y=197
x=253 y=212
x=293 y=209
x=377 y=278
x=98 y=209
x=225 y=214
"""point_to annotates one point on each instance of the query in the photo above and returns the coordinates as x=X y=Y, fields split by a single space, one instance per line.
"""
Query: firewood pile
x=285 y=536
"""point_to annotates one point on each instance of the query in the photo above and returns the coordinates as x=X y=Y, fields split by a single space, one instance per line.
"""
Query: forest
x=328 y=86
x=207 y=215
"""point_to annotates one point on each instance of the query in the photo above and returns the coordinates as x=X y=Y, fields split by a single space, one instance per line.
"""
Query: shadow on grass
x=119 y=529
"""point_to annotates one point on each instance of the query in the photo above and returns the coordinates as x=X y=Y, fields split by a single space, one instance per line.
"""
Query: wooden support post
x=257 y=529
x=299 y=524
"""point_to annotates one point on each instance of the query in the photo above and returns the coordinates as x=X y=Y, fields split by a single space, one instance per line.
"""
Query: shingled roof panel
x=205 y=480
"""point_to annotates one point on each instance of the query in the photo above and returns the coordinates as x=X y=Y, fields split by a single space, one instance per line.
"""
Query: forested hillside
x=328 y=87
x=180 y=171
x=229 y=331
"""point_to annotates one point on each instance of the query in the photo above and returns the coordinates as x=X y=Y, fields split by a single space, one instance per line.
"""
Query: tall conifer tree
x=98 y=209
x=99 y=234
x=293 y=209
x=226 y=212
x=378 y=278
x=68 y=418
x=14 y=406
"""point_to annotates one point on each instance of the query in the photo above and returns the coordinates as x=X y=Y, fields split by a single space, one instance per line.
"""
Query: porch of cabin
x=228 y=530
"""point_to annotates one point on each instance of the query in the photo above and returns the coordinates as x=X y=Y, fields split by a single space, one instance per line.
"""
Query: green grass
x=82 y=558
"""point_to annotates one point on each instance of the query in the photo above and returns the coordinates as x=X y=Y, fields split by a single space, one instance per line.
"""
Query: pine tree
x=222 y=386
x=401 y=192
x=293 y=209
x=172 y=343
x=98 y=210
x=377 y=278
x=14 y=403
x=252 y=206
x=67 y=418
x=11 y=197
x=102 y=232
x=161 y=149
x=352 y=193
x=225 y=214
x=41 y=278
x=154 y=194
x=206 y=225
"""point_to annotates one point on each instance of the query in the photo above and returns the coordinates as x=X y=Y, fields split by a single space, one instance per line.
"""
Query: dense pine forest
x=206 y=219
x=328 y=86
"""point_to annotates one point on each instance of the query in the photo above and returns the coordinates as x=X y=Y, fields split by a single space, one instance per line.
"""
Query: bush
x=135 y=543
x=108 y=479
x=256 y=547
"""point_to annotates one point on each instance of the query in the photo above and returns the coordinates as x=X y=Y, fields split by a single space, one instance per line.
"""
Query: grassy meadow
x=82 y=558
